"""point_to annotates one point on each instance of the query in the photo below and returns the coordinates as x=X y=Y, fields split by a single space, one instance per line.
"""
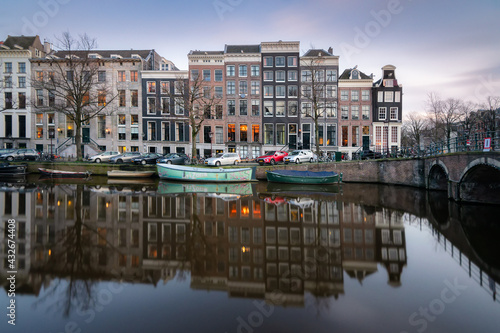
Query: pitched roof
x=127 y=54
x=346 y=75
x=23 y=41
x=317 y=53
x=242 y=48
x=198 y=52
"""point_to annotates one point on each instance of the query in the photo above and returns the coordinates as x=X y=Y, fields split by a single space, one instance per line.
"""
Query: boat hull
x=130 y=174
x=7 y=170
x=191 y=174
x=302 y=177
x=63 y=174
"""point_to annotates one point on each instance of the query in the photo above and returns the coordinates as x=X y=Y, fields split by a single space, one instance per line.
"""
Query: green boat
x=240 y=189
x=303 y=177
x=191 y=174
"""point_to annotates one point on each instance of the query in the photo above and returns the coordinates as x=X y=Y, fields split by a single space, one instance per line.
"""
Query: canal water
x=102 y=256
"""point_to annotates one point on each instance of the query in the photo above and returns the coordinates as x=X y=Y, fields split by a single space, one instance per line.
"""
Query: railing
x=65 y=144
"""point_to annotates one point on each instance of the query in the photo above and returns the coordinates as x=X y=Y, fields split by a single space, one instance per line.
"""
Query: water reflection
x=249 y=240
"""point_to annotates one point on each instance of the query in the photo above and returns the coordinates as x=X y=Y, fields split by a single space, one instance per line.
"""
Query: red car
x=272 y=157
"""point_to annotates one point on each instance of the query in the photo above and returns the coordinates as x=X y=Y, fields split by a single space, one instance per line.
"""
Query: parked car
x=21 y=154
x=272 y=157
x=370 y=154
x=6 y=150
x=223 y=159
x=103 y=157
x=299 y=156
x=175 y=158
x=148 y=158
x=125 y=157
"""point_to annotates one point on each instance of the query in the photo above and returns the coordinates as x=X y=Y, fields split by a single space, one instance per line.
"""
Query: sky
x=447 y=47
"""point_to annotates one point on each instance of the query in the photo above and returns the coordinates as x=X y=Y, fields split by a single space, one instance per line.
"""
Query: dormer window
x=116 y=56
x=136 y=56
x=355 y=75
x=95 y=56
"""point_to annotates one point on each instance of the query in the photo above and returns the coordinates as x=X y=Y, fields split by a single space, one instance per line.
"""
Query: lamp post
x=51 y=135
x=210 y=134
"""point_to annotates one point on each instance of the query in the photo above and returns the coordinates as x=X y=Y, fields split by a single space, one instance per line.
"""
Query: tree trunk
x=78 y=140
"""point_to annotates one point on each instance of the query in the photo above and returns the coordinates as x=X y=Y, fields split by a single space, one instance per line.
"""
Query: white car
x=103 y=157
x=299 y=156
x=223 y=159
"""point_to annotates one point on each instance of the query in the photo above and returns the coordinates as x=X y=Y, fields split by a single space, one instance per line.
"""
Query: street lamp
x=210 y=134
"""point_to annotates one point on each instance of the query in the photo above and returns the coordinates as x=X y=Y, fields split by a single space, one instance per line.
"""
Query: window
x=293 y=91
x=231 y=107
x=268 y=61
x=165 y=131
x=39 y=97
x=365 y=110
x=394 y=113
x=22 y=100
x=280 y=91
x=219 y=135
x=380 y=97
x=280 y=61
x=134 y=98
x=165 y=105
x=268 y=109
x=280 y=76
x=255 y=133
x=344 y=95
x=165 y=87
x=243 y=107
x=101 y=76
x=207 y=75
x=280 y=134
x=178 y=87
x=331 y=135
x=354 y=95
x=268 y=134
x=122 y=134
x=365 y=95
x=397 y=96
x=292 y=76
x=8 y=82
x=306 y=91
x=151 y=130
x=355 y=112
x=268 y=91
x=293 y=108
x=255 y=107
x=21 y=67
x=394 y=134
x=344 y=133
x=101 y=127
x=292 y=61
x=134 y=75
x=230 y=71
x=243 y=87
x=344 y=112
x=255 y=88
x=218 y=111
x=243 y=133
x=39 y=119
x=151 y=87
x=8 y=67
x=218 y=75
x=268 y=75
x=242 y=71
x=179 y=106
x=22 y=82
x=194 y=74
x=134 y=127
x=331 y=91
x=231 y=87
x=331 y=110
x=219 y=92
x=355 y=134
x=52 y=98
x=121 y=76
x=331 y=75
x=280 y=108
x=254 y=70
x=389 y=96
x=69 y=76
x=101 y=98
x=121 y=97
x=306 y=76
x=231 y=132
x=306 y=109
x=206 y=92
x=382 y=113
x=320 y=75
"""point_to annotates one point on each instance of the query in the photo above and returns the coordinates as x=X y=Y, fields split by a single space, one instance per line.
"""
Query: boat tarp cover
x=298 y=173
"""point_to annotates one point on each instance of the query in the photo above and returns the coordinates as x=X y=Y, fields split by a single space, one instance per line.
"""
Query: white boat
x=130 y=174
x=191 y=174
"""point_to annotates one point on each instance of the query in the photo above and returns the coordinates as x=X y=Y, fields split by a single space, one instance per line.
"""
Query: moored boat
x=303 y=177
x=192 y=174
x=63 y=174
x=130 y=174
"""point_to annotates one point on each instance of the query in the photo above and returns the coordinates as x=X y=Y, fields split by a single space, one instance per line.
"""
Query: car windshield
x=293 y=153
x=271 y=153
x=219 y=155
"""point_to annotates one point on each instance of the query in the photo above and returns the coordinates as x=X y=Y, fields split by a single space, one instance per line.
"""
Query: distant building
x=15 y=92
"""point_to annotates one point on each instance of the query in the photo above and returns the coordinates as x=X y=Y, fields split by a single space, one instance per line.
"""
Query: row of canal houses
x=264 y=101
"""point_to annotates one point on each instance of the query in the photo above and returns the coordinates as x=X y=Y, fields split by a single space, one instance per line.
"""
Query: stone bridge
x=469 y=176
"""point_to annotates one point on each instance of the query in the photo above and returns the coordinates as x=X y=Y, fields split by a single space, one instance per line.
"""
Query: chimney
x=47 y=48
x=330 y=50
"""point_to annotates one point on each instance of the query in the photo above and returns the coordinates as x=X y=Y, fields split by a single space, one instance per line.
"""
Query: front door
x=307 y=140
x=366 y=143
x=85 y=135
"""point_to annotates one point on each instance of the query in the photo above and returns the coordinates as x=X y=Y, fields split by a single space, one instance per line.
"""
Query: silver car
x=299 y=156
x=103 y=157
x=223 y=159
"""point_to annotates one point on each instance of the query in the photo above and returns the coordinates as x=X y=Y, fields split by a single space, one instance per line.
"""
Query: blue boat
x=303 y=177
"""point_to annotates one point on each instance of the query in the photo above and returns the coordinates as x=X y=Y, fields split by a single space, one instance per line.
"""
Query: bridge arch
x=438 y=176
x=480 y=181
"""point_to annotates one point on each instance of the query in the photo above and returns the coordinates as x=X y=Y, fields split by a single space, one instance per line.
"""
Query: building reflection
x=247 y=245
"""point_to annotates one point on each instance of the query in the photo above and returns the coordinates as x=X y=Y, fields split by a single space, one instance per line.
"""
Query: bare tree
x=197 y=97
x=434 y=110
x=491 y=116
x=72 y=84
x=415 y=128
